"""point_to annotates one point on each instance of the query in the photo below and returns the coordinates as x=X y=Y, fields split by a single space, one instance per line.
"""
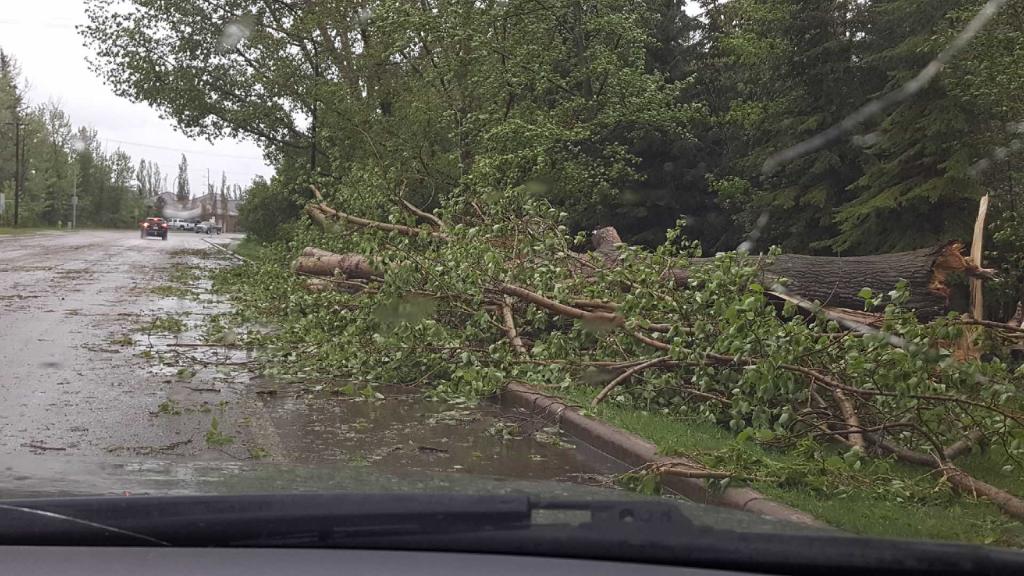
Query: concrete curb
x=635 y=451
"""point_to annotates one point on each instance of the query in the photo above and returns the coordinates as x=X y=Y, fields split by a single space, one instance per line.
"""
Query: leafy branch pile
x=470 y=298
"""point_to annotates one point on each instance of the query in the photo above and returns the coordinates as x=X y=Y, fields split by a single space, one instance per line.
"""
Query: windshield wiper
x=318 y=519
x=626 y=530
x=30 y=529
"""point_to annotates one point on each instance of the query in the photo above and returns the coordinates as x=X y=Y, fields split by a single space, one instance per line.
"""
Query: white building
x=223 y=211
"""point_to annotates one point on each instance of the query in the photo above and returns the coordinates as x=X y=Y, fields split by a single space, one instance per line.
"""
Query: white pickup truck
x=208 y=227
x=181 y=224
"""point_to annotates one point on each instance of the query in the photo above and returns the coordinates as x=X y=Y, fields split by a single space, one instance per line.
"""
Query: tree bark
x=322 y=263
x=605 y=241
x=510 y=326
x=835 y=280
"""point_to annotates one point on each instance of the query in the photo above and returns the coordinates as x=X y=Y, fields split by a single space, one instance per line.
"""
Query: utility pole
x=19 y=178
x=210 y=197
x=19 y=170
x=77 y=145
x=74 y=196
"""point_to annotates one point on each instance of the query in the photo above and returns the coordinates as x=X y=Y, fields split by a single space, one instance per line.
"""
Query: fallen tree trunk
x=835 y=281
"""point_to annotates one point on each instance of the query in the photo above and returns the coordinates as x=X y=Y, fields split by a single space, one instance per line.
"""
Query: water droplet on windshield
x=866 y=140
x=235 y=31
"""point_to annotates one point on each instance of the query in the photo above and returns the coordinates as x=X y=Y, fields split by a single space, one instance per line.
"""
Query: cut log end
x=322 y=263
x=606 y=242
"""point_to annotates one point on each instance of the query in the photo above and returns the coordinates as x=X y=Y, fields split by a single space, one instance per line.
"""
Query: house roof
x=194 y=208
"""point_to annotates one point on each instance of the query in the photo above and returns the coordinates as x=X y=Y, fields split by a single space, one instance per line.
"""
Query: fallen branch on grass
x=595 y=305
x=957 y=478
x=686 y=470
x=626 y=376
x=850 y=416
x=316 y=283
x=317 y=262
x=199 y=345
x=231 y=253
x=963 y=445
x=836 y=281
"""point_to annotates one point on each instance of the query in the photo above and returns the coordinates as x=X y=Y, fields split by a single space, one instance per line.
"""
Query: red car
x=154 y=227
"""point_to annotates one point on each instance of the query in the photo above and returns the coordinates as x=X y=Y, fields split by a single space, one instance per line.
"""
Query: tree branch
x=625 y=376
x=990 y=324
x=850 y=416
x=558 y=308
x=434 y=220
x=373 y=224
x=963 y=445
x=510 y=326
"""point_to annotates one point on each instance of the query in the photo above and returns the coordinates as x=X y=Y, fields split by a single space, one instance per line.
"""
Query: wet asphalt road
x=90 y=402
x=66 y=387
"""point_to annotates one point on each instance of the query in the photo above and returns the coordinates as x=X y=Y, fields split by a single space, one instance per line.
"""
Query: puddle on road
x=400 y=433
x=406 y=431
x=27 y=476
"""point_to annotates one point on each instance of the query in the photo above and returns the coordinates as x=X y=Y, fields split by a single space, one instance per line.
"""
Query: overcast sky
x=41 y=36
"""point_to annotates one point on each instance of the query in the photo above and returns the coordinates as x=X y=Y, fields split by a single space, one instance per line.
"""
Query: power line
x=39 y=24
x=181 y=150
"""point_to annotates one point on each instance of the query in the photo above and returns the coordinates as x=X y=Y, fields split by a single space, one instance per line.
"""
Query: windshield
x=764 y=258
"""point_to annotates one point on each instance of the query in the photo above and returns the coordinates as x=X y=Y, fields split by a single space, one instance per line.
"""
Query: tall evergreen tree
x=159 y=181
x=144 y=179
x=783 y=70
x=916 y=187
x=183 y=192
x=12 y=110
x=53 y=163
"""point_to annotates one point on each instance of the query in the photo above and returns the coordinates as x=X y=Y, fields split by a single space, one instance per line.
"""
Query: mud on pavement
x=114 y=351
